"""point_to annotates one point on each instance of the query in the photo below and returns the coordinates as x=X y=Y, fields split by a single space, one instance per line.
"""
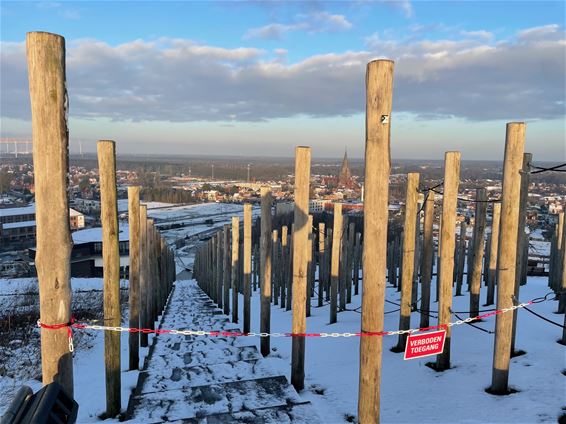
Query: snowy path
x=194 y=379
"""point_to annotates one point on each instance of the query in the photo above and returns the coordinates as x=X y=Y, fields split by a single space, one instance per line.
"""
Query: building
x=77 y=219
x=18 y=226
x=86 y=256
x=345 y=176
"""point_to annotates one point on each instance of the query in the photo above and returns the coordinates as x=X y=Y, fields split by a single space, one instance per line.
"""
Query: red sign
x=427 y=344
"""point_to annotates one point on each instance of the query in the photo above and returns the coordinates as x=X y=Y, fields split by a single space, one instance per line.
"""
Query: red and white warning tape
x=74 y=325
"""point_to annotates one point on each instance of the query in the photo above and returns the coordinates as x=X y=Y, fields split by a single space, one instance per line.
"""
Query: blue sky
x=258 y=78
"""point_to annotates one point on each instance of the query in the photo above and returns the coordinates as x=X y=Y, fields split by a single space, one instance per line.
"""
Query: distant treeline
x=166 y=195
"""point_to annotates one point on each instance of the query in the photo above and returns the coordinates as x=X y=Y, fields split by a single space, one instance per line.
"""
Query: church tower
x=345 y=177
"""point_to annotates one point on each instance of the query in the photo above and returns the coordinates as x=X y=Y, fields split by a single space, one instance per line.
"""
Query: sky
x=258 y=78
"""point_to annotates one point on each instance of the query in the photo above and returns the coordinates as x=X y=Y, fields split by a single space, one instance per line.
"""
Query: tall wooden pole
x=134 y=274
x=235 y=260
x=48 y=95
x=447 y=244
x=409 y=225
x=461 y=259
x=285 y=263
x=321 y=264
x=379 y=89
x=477 y=256
x=493 y=246
x=111 y=262
x=335 y=264
x=226 y=268
x=514 y=145
x=265 y=269
x=310 y=265
x=300 y=252
x=522 y=239
x=144 y=275
x=247 y=265
x=428 y=253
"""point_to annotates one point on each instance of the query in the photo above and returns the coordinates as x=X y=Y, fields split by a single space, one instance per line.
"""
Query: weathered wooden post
x=343 y=265
x=226 y=268
x=247 y=265
x=219 y=269
x=447 y=243
x=48 y=95
x=275 y=266
x=265 y=269
x=493 y=245
x=285 y=264
x=357 y=257
x=562 y=266
x=428 y=253
x=144 y=275
x=350 y=260
x=514 y=145
x=134 y=274
x=477 y=256
x=461 y=259
x=335 y=265
x=310 y=265
x=410 y=227
x=151 y=310
x=522 y=240
x=111 y=261
x=379 y=88
x=235 y=260
x=321 y=263
x=300 y=252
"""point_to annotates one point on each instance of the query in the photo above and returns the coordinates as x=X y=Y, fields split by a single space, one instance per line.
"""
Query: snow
x=95 y=234
x=20 y=224
x=410 y=391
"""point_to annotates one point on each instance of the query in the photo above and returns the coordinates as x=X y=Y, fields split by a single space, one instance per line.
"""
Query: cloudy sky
x=258 y=78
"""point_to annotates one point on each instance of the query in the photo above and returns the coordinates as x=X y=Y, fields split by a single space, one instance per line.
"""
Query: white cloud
x=179 y=80
x=312 y=22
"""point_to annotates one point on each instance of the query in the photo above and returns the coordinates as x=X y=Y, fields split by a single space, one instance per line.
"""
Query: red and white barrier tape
x=72 y=324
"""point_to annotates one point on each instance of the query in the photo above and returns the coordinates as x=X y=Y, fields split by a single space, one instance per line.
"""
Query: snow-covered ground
x=414 y=393
x=410 y=391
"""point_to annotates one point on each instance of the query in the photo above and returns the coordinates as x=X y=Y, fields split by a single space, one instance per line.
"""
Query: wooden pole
x=321 y=262
x=327 y=262
x=226 y=268
x=461 y=259
x=285 y=264
x=144 y=277
x=134 y=274
x=357 y=257
x=493 y=245
x=48 y=95
x=275 y=266
x=219 y=269
x=111 y=262
x=522 y=239
x=235 y=260
x=350 y=262
x=265 y=269
x=410 y=224
x=300 y=253
x=379 y=88
x=514 y=145
x=428 y=253
x=479 y=235
x=310 y=265
x=247 y=265
x=447 y=243
x=335 y=265
x=151 y=273
x=562 y=266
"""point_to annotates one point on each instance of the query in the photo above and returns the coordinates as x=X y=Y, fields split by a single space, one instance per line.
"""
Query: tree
x=5 y=180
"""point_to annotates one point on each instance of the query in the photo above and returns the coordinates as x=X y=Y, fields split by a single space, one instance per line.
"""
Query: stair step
x=201 y=401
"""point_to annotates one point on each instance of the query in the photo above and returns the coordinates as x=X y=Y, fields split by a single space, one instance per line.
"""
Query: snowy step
x=176 y=378
x=204 y=357
x=297 y=413
x=223 y=398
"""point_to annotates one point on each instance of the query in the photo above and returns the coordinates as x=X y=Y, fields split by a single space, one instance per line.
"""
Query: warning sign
x=427 y=344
